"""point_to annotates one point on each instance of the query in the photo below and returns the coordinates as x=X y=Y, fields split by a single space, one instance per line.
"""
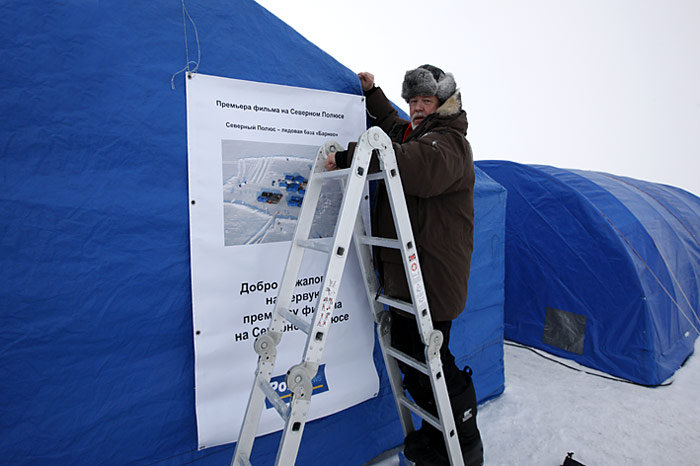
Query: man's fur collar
x=452 y=105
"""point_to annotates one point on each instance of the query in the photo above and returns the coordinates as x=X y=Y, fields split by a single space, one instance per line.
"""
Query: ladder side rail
x=442 y=401
x=323 y=314
x=395 y=380
x=251 y=419
x=265 y=366
x=293 y=431
x=404 y=233
x=296 y=252
x=299 y=377
x=382 y=319
x=416 y=286
x=349 y=210
x=265 y=346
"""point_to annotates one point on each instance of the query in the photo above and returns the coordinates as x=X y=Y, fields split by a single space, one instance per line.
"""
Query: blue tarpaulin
x=601 y=269
x=96 y=351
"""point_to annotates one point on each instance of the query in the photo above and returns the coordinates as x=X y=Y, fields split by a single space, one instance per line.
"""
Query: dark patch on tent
x=565 y=330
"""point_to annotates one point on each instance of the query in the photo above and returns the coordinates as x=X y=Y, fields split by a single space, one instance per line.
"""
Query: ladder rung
x=375 y=176
x=320 y=244
x=332 y=174
x=421 y=412
x=273 y=397
x=397 y=303
x=302 y=324
x=406 y=359
x=383 y=242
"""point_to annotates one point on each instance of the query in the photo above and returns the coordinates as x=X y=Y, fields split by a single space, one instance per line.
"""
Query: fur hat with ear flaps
x=428 y=80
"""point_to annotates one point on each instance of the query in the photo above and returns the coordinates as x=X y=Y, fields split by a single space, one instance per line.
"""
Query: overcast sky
x=604 y=85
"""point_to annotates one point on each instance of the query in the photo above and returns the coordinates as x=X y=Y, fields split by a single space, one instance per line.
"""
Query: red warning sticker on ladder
x=327 y=304
x=326 y=309
x=417 y=281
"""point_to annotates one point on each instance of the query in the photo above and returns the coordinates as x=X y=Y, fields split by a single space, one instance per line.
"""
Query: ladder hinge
x=434 y=344
x=266 y=345
x=299 y=381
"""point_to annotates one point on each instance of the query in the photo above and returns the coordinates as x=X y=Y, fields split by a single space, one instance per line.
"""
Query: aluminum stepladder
x=349 y=226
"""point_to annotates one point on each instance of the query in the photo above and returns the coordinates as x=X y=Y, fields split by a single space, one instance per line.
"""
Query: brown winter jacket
x=437 y=173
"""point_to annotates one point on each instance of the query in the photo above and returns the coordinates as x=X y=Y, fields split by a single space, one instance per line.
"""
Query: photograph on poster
x=263 y=187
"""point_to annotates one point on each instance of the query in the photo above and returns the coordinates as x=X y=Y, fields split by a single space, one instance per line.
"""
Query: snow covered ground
x=548 y=410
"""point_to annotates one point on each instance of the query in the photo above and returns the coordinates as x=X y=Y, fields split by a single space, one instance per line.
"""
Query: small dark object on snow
x=269 y=197
x=569 y=461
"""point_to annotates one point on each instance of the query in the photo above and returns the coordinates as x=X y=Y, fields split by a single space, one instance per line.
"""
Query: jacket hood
x=452 y=106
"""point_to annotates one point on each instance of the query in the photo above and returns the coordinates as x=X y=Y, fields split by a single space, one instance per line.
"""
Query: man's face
x=421 y=106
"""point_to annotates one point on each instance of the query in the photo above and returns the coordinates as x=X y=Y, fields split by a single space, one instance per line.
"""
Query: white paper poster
x=251 y=148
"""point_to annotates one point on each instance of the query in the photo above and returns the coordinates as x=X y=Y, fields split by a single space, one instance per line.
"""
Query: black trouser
x=406 y=338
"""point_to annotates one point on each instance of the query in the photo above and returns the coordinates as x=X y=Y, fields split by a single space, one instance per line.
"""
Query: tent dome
x=601 y=269
x=97 y=359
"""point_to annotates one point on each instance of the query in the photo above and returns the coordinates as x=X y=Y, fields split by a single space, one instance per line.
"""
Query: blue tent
x=601 y=269
x=96 y=352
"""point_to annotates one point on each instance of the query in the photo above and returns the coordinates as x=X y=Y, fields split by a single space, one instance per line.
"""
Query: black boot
x=426 y=446
x=419 y=444
x=423 y=439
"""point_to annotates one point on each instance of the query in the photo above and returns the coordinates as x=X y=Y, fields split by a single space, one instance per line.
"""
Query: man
x=437 y=173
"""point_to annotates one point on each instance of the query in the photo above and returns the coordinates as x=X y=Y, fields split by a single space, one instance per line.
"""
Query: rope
x=614 y=379
x=185 y=16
